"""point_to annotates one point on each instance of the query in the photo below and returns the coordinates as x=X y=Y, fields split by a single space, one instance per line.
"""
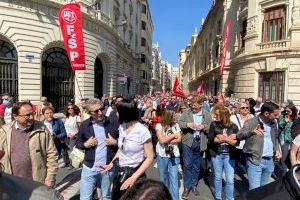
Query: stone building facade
x=33 y=59
x=263 y=55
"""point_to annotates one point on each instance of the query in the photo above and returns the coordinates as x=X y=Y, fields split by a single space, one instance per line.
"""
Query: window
x=8 y=69
x=143 y=25
x=143 y=58
x=274 y=24
x=144 y=9
x=98 y=5
x=217 y=51
x=143 y=42
x=271 y=86
x=243 y=33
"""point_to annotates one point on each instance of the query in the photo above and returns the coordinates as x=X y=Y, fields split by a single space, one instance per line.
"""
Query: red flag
x=70 y=21
x=200 y=89
x=225 y=47
x=177 y=90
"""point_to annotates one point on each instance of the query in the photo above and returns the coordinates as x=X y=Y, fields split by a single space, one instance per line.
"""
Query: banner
x=177 y=90
x=200 y=89
x=70 y=21
x=225 y=47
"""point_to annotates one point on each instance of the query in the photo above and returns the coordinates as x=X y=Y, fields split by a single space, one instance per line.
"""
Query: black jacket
x=86 y=131
x=285 y=188
x=216 y=129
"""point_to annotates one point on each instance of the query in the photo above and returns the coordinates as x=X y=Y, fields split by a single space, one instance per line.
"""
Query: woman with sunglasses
x=135 y=154
x=72 y=123
x=239 y=118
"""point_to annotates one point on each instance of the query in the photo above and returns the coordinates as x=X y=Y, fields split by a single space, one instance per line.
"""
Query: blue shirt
x=268 y=144
x=101 y=149
x=198 y=118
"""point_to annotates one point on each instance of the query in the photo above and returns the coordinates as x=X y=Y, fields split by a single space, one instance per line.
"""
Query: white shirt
x=296 y=141
x=131 y=145
x=161 y=148
x=49 y=126
x=108 y=111
x=7 y=115
x=71 y=124
x=234 y=119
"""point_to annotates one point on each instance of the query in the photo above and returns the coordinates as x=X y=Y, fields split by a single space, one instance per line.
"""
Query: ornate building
x=33 y=59
x=262 y=58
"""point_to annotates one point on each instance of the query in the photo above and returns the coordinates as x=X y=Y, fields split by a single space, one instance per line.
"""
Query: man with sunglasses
x=98 y=138
x=29 y=148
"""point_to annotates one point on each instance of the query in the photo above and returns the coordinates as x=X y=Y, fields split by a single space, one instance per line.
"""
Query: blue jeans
x=259 y=175
x=168 y=174
x=192 y=164
x=88 y=182
x=220 y=162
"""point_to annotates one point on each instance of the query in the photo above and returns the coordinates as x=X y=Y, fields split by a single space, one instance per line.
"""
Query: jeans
x=88 y=182
x=168 y=173
x=220 y=162
x=192 y=164
x=259 y=175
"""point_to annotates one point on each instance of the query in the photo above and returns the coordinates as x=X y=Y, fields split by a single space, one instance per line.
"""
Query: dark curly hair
x=75 y=108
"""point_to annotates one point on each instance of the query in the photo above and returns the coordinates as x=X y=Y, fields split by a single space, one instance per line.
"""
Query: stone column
x=295 y=29
x=252 y=37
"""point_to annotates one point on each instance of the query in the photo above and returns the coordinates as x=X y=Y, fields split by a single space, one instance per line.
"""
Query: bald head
x=259 y=100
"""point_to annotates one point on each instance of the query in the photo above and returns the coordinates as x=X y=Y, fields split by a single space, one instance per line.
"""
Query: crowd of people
x=121 y=138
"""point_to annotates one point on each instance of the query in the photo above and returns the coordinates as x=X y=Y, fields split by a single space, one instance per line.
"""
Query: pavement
x=68 y=182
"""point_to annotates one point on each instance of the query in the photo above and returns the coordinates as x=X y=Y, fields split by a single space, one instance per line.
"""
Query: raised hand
x=92 y=141
x=110 y=140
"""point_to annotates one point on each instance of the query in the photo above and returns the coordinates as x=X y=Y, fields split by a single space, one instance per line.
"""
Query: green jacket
x=188 y=134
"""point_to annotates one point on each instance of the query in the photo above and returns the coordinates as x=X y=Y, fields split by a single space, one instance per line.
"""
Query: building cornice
x=244 y=58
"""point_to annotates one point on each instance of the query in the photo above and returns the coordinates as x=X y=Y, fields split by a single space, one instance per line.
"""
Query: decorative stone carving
x=252 y=25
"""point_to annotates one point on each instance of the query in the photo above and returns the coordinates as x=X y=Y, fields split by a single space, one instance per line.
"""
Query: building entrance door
x=57 y=78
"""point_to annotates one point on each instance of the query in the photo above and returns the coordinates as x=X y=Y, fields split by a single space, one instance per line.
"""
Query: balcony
x=281 y=44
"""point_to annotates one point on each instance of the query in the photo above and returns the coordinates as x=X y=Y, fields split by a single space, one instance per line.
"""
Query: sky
x=174 y=23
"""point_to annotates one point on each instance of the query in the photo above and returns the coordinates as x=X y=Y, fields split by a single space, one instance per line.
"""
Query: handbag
x=76 y=157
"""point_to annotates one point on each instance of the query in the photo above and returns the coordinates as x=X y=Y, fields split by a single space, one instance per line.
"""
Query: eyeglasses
x=27 y=116
x=96 y=111
x=71 y=108
x=245 y=108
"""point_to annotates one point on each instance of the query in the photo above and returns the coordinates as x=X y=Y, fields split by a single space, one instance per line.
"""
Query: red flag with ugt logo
x=225 y=46
x=200 y=89
x=177 y=90
x=70 y=21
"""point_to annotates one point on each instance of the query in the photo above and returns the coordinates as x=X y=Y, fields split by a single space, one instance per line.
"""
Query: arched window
x=8 y=69
x=98 y=78
x=57 y=78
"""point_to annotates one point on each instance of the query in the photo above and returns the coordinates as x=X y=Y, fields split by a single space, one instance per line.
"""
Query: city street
x=68 y=183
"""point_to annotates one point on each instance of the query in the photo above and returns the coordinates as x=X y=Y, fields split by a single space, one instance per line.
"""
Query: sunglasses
x=244 y=107
x=100 y=109
x=70 y=108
